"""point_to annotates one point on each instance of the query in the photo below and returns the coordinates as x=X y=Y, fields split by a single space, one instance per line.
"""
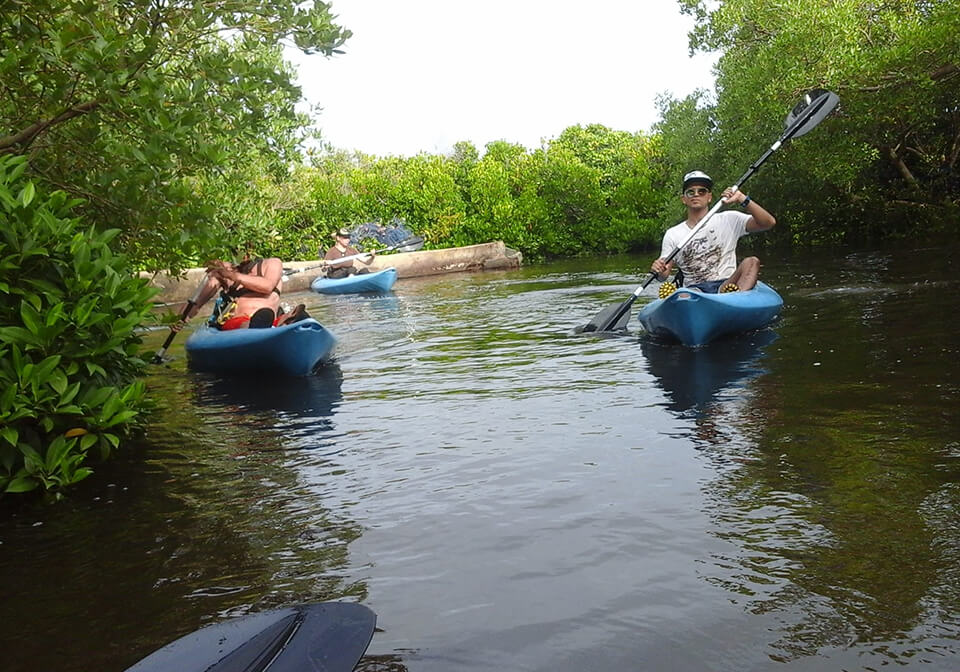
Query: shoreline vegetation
x=151 y=137
x=483 y=257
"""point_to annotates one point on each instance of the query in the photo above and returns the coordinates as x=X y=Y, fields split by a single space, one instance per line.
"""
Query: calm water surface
x=507 y=495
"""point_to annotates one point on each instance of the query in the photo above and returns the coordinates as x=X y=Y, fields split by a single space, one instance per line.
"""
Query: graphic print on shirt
x=701 y=257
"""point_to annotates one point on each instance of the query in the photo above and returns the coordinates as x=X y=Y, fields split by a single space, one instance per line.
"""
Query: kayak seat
x=296 y=315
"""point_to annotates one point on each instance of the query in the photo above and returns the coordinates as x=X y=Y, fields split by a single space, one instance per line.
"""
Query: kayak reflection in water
x=708 y=261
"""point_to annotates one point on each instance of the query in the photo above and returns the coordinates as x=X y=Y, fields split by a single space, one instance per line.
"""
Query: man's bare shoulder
x=272 y=266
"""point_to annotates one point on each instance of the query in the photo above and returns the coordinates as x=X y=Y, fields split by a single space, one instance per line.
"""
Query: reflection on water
x=301 y=407
x=833 y=503
x=206 y=523
x=507 y=495
x=313 y=396
x=693 y=377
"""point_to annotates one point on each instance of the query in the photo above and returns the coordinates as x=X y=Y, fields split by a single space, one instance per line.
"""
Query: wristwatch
x=745 y=202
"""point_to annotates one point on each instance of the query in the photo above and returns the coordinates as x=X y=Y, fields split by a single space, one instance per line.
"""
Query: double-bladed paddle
x=803 y=118
x=409 y=245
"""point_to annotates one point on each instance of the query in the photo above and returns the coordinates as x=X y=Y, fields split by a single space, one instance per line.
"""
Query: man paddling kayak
x=342 y=248
x=249 y=296
x=709 y=260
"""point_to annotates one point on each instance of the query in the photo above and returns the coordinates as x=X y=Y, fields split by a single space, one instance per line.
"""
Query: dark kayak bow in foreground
x=695 y=318
x=322 y=637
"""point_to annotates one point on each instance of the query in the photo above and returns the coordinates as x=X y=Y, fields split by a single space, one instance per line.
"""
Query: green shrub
x=69 y=350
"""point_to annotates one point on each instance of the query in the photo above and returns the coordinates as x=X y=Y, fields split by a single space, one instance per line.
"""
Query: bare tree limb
x=898 y=163
x=945 y=71
x=22 y=140
x=954 y=151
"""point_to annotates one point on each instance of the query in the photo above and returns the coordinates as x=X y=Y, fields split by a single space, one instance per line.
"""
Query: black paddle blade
x=611 y=318
x=809 y=112
x=328 y=636
x=409 y=245
x=158 y=358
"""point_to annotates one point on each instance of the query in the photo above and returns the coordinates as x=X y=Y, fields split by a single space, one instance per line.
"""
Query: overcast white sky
x=421 y=75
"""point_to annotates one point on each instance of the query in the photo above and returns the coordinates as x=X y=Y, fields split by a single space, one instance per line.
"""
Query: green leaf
x=81 y=474
x=23 y=484
x=121 y=417
x=10 y=434
x=95 y=397
x=56 y=452
x=45 y=368
x=7 y=397
x=27 y=194
x=70 y=393
x=18 y=335
x=58 y=382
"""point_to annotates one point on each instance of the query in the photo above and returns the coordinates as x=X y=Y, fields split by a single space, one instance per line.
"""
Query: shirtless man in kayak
x=251 y=294
x=709 y=260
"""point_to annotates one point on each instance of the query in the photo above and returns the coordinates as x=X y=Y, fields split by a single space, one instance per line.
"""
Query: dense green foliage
x=126 y=103
x=886 y=164
x=69 y=359
x=176 y=123
x=590 y=190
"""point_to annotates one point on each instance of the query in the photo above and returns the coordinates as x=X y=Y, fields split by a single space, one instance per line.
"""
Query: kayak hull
x=291 y=350
x=329 y=636
x=378 y=281
x=695 y=318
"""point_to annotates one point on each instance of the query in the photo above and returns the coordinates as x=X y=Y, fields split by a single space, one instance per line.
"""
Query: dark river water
x=507 y=495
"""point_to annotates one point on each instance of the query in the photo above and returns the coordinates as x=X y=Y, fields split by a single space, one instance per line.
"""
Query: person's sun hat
x=342 y=232
x=696 y=177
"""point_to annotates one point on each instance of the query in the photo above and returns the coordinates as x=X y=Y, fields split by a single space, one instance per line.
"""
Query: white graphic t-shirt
x=712 y=253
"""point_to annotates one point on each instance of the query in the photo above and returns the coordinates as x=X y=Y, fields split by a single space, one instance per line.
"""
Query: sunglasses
x=699 y=191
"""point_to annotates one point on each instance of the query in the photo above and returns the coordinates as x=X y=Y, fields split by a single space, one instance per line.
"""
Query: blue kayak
x=695 y=318
x=292 y=350
x=380 y=281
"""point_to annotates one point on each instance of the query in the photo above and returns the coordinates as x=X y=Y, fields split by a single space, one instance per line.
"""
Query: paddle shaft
x=191 y=302
x=814 y=113
x=625 y=306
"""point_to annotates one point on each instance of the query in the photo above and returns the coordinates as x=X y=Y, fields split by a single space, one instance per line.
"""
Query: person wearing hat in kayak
x=709 y=260
x=342 y=248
